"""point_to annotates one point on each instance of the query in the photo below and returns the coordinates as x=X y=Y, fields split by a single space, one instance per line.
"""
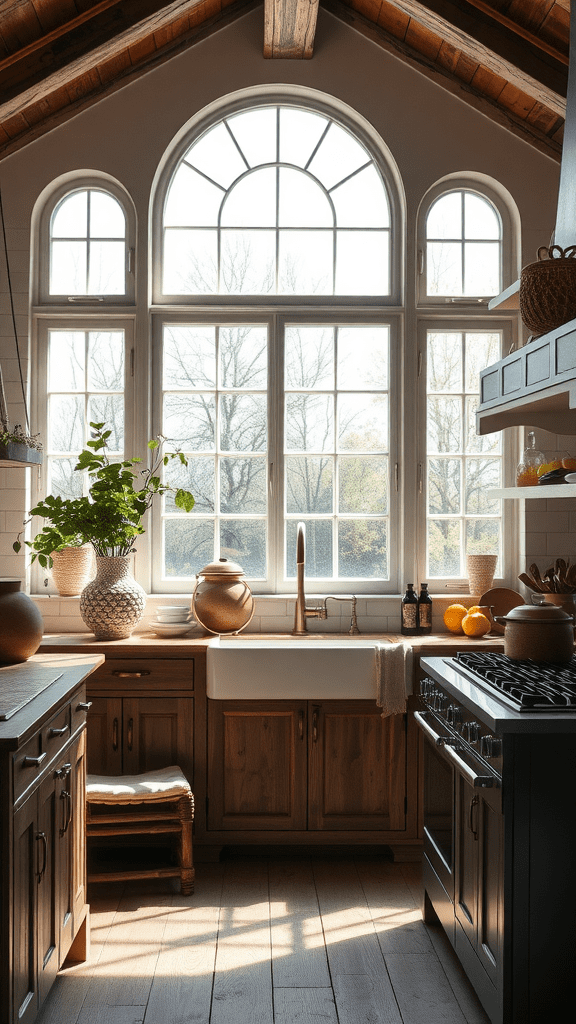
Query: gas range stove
x=526 y=686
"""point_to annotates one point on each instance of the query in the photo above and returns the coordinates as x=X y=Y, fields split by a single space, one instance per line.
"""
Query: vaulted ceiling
x=507 y=58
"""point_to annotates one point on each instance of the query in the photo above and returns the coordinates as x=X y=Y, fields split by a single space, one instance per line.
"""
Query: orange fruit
x=453 y=617
x=569 y=463
x=475 y=608
x=475 y=624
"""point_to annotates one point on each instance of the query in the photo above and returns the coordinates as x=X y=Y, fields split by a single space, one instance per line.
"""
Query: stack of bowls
x=173 y=620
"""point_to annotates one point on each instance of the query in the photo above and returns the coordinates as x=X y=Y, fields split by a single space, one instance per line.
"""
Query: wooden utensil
x=525 y=578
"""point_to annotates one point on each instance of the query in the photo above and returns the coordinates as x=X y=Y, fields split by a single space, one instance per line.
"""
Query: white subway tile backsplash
x=536 y=545
x=562 y=545
x=545 y=522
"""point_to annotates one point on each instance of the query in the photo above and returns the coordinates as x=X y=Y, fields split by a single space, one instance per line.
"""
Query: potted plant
x=61 y=544
x=109 y=518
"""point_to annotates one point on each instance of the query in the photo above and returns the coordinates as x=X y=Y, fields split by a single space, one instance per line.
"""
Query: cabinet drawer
x=158 y=674
x=56 y=733
x=25 y=770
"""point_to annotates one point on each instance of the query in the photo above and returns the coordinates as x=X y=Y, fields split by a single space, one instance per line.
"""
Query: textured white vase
x=72 y=569
x=113 y=603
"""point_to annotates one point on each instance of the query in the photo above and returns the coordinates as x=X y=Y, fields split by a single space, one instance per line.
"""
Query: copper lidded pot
x=222 y=601
x=541 y=632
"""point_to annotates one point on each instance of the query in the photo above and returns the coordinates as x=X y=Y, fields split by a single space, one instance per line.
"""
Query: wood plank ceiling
x=508 y=58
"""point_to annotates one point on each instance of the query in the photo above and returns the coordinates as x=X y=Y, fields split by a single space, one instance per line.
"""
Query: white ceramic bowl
x=172 y=628
x=180 y=613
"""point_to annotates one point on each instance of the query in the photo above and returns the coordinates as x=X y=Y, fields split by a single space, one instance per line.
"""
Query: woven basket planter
x=72 y=569
x=548 y=290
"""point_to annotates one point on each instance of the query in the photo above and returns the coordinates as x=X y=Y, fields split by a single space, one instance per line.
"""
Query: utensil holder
x=481 y=569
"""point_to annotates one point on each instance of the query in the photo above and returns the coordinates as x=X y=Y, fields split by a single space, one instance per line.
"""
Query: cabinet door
x=77 y=828
x=157 y=732
x=104 y=739
x=29 y=849
x=357 y=776
x=257 y=764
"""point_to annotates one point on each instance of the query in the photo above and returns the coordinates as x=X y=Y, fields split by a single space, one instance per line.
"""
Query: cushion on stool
x=163 y=784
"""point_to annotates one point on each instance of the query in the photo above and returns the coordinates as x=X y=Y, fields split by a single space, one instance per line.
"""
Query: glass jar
x=532 y=459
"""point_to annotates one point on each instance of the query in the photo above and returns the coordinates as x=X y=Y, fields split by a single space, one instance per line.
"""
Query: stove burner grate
x=529 y=685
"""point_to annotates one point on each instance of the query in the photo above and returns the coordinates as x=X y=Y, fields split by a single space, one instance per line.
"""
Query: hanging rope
x=13 y=315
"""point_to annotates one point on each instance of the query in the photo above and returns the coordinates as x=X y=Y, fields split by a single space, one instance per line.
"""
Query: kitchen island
x=43 y=909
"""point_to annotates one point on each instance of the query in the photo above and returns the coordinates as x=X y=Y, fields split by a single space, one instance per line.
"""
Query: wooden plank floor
x=267 y=939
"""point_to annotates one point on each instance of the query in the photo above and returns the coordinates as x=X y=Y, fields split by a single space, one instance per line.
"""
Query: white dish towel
x=393 y=672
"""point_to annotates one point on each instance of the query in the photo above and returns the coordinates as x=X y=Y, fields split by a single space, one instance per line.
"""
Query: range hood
x=536 y=386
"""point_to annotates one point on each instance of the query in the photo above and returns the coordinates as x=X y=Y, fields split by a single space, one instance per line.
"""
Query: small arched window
x=463 y=246
x=89 y=246
x=276 y=200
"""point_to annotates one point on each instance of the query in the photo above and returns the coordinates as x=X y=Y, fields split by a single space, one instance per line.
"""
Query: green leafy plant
x=17 y=436
x=110 y=516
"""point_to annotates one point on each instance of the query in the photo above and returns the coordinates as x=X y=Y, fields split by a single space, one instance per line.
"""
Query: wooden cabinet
x=328 y=766
x=43 y=874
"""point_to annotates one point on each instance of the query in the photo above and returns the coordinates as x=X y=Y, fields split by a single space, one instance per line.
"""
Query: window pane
x=362 y=201
x=70 y=218
x=302 y=201
x=189 y=356
x=68 y=268
x=300 y=133
x=363 y=423
x=309 y=423
x=247 y=262
x=363 y=485
x=188 y=546
x=255 y=133
x=309 y=358
x=444 y=268
x=190 y=262
x=319 y=548
x=243 y=357
x=338 y=156
x=444 y=548
x=243 y=423
x=66 y=355
x=444 y=424
x=63 y=481
x=309 y=484
x=252 y=202
x=107 y=218
x=107 y=262
x=444 y=487
x=481 y=475
x=216 y=155
x=198 y=477
x=105 y=361
x=445 y=361
x=362 y=263
x=362 y=358
x=243 y=485
x=479 y=442
x=483 y=538
x=480 y=218
x=192 y=200
x=363 y=548
x=445 y=217
x=482 y=274
x=306 y=263
x=66 y=423
x=482 y=349
x=244 y=541
x=109 y=409
x=189 y=421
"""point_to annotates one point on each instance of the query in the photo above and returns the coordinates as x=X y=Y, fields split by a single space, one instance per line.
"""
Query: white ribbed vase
x=113 y=603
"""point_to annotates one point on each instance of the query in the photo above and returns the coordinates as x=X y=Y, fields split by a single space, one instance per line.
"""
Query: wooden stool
x=134 y=794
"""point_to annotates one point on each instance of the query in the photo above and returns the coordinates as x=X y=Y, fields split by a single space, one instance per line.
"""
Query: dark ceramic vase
x=21 y=624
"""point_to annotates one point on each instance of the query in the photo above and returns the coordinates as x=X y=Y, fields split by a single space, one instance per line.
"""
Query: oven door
x=438 y=802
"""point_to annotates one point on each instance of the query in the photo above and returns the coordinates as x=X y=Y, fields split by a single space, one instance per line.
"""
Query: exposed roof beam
x=50 y=37
x=494 y=46
x=289 y=28
x=519 y=30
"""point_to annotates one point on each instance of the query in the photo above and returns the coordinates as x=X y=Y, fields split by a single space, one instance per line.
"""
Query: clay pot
x=540 y=632
x=21 y=624
x=222 y=601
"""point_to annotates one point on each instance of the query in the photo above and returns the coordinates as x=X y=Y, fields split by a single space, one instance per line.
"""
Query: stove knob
x=426 y=687
x=490 y=746
x=454 y=715
x=439 y=700
x=471 y=731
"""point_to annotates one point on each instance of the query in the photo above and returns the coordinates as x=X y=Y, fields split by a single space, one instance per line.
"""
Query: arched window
x=463 y=246
x=276 y=200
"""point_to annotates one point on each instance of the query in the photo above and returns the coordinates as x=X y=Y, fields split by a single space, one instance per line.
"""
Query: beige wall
x=429 y=132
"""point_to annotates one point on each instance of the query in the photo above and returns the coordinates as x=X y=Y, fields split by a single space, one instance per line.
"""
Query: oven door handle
x=448 y=745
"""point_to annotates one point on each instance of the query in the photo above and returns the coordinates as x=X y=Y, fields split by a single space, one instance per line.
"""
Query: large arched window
x=276 y=200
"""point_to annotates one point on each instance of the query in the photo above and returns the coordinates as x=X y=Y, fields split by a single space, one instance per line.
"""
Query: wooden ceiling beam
x=493 y=46
x=519 y=30
x=289 y=28
x=57 y=33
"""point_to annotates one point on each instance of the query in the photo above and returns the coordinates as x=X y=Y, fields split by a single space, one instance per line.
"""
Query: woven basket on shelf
x=548 y=289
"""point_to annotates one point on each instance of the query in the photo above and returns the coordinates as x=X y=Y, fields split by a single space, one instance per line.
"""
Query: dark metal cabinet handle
x=315 y=725
x=130 y=733
x=130 y=675
x=67 y=818
x=41 y=836
x=474 y=829
x=63 y=771
x=84 y=705
x=301 y=724
x=115 y=734
x=34 y=762
x=58 y=732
